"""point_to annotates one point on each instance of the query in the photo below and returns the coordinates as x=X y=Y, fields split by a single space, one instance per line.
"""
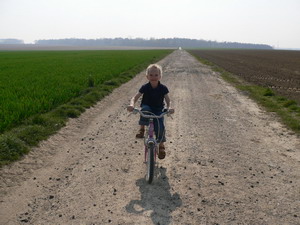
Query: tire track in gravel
x=228 y=162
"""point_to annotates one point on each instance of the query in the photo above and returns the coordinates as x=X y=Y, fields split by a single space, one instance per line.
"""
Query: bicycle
x=151 y=144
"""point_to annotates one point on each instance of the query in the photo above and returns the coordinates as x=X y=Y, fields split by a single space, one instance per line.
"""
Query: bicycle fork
x=148 y=145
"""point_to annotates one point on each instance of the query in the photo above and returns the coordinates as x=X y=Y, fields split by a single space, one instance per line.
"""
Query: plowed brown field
x=277 y=69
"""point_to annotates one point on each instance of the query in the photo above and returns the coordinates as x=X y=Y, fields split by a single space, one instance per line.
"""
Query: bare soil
x=228 y=162
x=276 y=69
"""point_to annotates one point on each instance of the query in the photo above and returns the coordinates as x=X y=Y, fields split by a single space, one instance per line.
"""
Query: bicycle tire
x=150 y=164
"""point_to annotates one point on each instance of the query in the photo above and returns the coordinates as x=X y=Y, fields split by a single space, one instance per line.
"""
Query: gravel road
x=228 y=162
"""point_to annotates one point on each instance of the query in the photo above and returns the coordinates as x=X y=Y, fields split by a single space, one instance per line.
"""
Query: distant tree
x=11 y=41
x=152 y=42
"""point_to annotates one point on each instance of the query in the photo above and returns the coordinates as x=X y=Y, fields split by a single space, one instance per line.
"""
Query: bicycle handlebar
x=135 y=110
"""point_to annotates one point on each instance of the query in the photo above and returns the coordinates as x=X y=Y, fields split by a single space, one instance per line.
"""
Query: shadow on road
x=156 y=199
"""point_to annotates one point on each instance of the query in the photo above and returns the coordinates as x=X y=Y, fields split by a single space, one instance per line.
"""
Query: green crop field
x=38 y=81
x=40 y=90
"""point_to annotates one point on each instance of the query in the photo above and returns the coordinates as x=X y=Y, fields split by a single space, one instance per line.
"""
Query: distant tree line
x=140 y=42
x=11 y=41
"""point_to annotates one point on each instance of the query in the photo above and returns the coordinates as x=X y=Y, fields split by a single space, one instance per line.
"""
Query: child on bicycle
x=154 y=94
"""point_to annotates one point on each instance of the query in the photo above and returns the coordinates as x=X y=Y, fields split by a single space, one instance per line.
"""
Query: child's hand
x=130 y=108
x=171 y=111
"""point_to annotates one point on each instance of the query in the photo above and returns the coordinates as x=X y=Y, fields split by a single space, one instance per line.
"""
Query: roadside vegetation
x=288 y=110
x=40 y=90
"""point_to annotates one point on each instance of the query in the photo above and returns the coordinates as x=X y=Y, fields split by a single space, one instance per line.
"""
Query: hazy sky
x=272 y=22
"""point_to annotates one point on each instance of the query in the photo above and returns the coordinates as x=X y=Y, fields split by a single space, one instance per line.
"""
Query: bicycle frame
x=150 y=144
x=150 y=140
x=149 y=137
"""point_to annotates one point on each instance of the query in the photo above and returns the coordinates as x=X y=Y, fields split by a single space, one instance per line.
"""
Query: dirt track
x=228 y=162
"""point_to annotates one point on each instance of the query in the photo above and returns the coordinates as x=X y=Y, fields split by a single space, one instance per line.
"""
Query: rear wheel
x=150 y=164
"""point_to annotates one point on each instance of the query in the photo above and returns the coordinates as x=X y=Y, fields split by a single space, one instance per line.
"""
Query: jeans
x=159 y=126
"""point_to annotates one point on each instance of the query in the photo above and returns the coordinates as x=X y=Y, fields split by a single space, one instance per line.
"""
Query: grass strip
x=287 y=110
x=19 y=140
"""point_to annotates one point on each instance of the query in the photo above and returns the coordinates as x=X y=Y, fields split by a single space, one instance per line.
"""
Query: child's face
x=153 y=74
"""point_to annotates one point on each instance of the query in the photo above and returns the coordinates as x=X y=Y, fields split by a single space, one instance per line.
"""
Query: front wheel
x=150 y=164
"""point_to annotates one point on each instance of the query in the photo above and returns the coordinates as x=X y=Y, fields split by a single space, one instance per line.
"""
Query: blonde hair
x=155 y=66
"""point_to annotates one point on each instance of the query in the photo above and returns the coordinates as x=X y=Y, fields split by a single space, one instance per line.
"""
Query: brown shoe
x=161 y=152
x=140 y=134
